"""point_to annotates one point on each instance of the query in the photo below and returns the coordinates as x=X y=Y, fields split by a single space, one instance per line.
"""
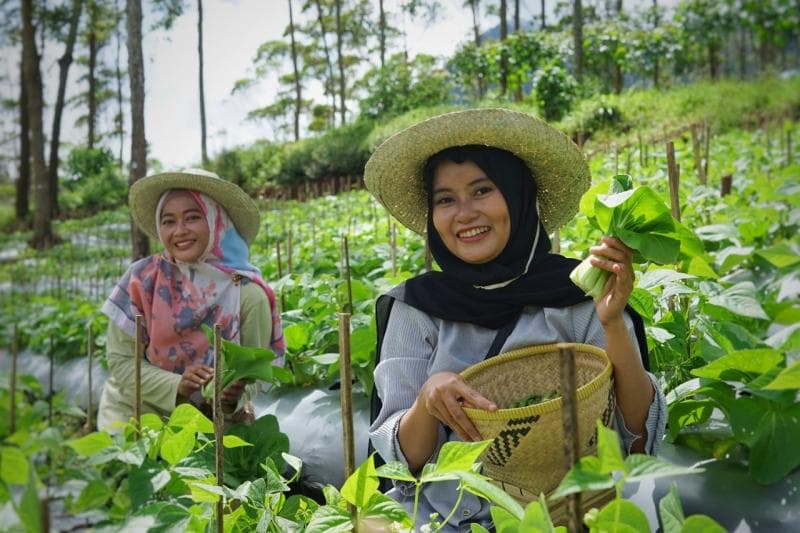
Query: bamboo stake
x=280 y=272
x=789 y=157
x=698 y=161
x=569 y=419
x=393 y=246
x=672 y=169
x=725 y=185
x=90 y=352
x=219 y=421
x=12 y=425
x=346 y=253
x=289 y=252
x=707 y=150
x=44 y=512
x=51 y=355
x=345 y=392
x=137 y=376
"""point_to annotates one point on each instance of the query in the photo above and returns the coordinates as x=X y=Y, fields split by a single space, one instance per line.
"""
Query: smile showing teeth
x=184 y=244
x=472 y=232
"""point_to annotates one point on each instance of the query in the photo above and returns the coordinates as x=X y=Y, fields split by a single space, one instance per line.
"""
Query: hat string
x=502 y=284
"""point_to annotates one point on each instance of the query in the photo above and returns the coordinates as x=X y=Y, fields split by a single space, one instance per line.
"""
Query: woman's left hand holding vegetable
x=231 y=395
x=612 y=255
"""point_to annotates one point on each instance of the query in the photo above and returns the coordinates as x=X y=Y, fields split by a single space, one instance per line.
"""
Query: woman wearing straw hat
x=486 y=186
x=203 y=276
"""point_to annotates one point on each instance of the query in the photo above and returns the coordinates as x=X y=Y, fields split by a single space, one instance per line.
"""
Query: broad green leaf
x=13 y=466
x=477 y=528
x=504 y=522
x=327 y=519
x=326 y=358
x=480 y=486
x=537 y=518
x=29 y=509
x=699 y=523
x=362 y=484
x=740 y=299
x=608 y=449
x=176 y=446
x=362 y=344
x=204 y=491
x=642 y=302
x=687 y=413
x=152 y=421
x=671 y=511
x=232 y=441
x=333 y=497
x=737 y=365
x=789 y=378
x=296 y=336
x=732 y=256
x=587 y=474
x=242 y=363
x=382 y=506
x=94 y=495
x=622 y=516
x=639 y=466
x=396 y=470
x=458 y=456
x=780 y=255
x=91 y=443
x=188 y=416
x=660 y=249
x=268 y=443
x=660 y=277
x=295 y=462
x=699 y=267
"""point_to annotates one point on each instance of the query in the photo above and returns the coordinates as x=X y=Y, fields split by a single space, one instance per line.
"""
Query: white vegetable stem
x=590 y=279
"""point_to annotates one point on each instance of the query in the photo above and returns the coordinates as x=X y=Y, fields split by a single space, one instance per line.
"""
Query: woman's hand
x=612 y=255
x=444 y=395
x=193 y=378
x=231 y=395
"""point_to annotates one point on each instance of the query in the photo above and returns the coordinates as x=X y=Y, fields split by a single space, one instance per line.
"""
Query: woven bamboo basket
x=526 y=456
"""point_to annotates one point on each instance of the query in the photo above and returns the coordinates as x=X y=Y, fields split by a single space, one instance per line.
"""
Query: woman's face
x=469 y=212
x=183 y=227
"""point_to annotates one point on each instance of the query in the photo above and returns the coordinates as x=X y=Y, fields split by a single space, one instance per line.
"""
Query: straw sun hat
x=394 y=173
x=145 y=193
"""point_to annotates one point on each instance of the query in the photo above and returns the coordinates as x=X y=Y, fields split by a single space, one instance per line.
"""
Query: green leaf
x=327 y=519
x=789 y=378
x=642 y=302
x=297 y=336
x=738 y=365
x=640 y=466
x=537 y=518
x=671 y=511
x=660 y=277
x=326 y=358
x=268 y=442
x=482 y=487
x=741 y=300
x=241 y=363
x=362 y=484
x=687 y=413
x=94 y=495
x=504 y=522
x=458 y=456
x=13 y=466
x=587 y=474
x=780 y=255
x=91 y=443
x=477 y=528
x=333 y=497
x=362 y=344
x=29 y=510
x=176 y=446
x=701 y=524
x=204 y=491
x=396 y=470
x=622 y=516
x=232 y=441
x=609 y=451
x=382 y=506
x=187 y=416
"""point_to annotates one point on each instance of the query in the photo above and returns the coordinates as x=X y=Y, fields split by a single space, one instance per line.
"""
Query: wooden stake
x=725 y=185
x=569 y=419
x=50 y=383
x=346 y=253
x=289 y=252
x=672 y=169
x=44 y=512
x=698 y=161
x=393 y=246
x=280 y=272
x=345 y=391
x=90 y=353
x=219 y=421
x=789 y=157
x=707 y=137
x=138 y=352
x=12 y=424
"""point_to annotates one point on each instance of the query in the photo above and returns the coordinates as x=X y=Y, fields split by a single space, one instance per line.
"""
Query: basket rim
x=548 y=406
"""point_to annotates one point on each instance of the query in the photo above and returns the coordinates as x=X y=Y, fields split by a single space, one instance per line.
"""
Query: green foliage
x=239 y=363
x=250 y=167
x=93 y=181
x=555 y=91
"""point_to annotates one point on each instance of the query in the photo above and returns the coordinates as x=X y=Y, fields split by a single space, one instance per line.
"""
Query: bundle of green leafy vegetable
x=535 y=398
x=639 y=218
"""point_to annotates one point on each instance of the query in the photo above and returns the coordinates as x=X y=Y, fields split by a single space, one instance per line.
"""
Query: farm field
x=723 y=328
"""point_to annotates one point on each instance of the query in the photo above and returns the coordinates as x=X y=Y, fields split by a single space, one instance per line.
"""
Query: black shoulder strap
x=502 y=336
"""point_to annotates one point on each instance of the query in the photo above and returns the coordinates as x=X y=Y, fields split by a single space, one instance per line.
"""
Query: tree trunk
x=382 y=32
x=120 y=119
x=331 y=85
x=298 y=101
x=544 y=20
x=203 y=149
x=742 y=54
x=42 y=226
x=503 y=54
x=577 y=29
x=93 y=49
x=138 y=168
x=656 y=20
x=339 y=43
x=619 y=7
x=516 y=15
x=24 y=179
x=618 y=78
x=63 y=70
x=713 y=62
x=475 y=7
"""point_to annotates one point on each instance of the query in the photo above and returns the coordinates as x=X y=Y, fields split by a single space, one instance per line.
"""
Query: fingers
x=445 y=394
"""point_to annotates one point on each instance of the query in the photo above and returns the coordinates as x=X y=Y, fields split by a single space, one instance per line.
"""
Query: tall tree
x=382 y=32
x=94 y=48
x=298 y=98
x=504 y=55
x=330 y=82
x=43 y=236
x=138 y=168
x=474 y=6
x=577 y=30
x=339 y=45
x=516 y=15
x=544 y=20
x=119 y=117
x=203 y=150
x=24 y=179
x=64 y=63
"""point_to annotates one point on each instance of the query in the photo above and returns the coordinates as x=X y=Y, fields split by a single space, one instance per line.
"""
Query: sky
x=233 y=30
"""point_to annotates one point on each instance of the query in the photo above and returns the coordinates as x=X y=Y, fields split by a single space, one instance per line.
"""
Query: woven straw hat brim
x=394 y=172
x=145 y=193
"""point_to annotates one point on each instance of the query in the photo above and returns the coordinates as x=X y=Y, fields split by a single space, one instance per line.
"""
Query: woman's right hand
x=193 y=378
x=445 y=394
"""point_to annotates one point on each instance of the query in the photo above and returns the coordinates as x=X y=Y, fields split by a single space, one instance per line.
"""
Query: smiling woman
x=203 y=277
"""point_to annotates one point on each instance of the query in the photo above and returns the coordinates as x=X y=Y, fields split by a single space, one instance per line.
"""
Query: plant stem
x=453 y=511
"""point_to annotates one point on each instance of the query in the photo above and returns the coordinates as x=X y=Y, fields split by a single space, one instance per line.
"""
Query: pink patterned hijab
x=176 y=298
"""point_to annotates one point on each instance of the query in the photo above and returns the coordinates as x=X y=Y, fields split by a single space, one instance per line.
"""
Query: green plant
x=555 y=90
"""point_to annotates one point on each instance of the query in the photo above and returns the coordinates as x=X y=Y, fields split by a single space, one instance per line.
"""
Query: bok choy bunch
x=637 y=217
